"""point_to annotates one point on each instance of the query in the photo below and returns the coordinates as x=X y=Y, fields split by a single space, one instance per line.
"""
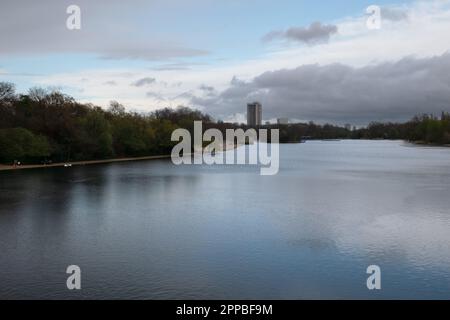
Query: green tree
x=95 y=137
x=22 y=145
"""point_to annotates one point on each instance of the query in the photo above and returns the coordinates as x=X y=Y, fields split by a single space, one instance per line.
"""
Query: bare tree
x=7 y=92
x=38 y=94
x=116 y=108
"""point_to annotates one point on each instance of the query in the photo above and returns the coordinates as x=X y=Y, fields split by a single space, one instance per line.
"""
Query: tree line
x=48 y=126
x=426 y=128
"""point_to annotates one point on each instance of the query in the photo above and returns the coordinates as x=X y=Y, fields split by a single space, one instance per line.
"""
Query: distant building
x=267 y=123
x=283 y=121
x=254 y=114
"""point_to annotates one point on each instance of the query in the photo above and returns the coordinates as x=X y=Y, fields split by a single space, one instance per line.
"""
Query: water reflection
x=155 y=230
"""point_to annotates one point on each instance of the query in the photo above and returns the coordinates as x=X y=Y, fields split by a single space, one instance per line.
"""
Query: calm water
x=153 y=230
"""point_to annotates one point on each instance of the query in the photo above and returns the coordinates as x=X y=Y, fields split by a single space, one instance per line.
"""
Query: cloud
x=143 y=82
x=155 y=96
x=111 y=83
x=176 y=66
x=109 y=30
x=394 y=14
x=172 y=67
x=206 y=88
x=422 y=35
x=315 y=33
x=394 y=91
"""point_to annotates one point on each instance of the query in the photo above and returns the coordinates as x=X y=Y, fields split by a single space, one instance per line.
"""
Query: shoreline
x=3 y=167
x=80 y=163
x=159 y=157
x=429 y=144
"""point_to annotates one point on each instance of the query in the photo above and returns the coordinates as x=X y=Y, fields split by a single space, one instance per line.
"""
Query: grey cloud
x=315 y=33
x=143 y=82
x=156 y=96
x=109 y=29
x=342 y=94
x=394 y=14
x=185 y=95
x=110 y=83
x=206 y=88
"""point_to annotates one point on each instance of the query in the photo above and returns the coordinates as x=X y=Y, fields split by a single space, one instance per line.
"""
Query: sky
x=303 y=60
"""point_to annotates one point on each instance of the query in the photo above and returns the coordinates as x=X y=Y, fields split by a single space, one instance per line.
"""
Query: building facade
x=254 y=114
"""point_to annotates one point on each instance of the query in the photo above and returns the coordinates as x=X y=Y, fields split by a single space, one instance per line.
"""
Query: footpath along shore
x=79 y=163
x=225 y=147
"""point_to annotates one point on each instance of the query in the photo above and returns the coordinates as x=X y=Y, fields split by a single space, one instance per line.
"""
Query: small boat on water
x=67 y=165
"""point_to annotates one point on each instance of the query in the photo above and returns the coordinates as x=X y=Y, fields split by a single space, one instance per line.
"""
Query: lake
x=153 y=230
